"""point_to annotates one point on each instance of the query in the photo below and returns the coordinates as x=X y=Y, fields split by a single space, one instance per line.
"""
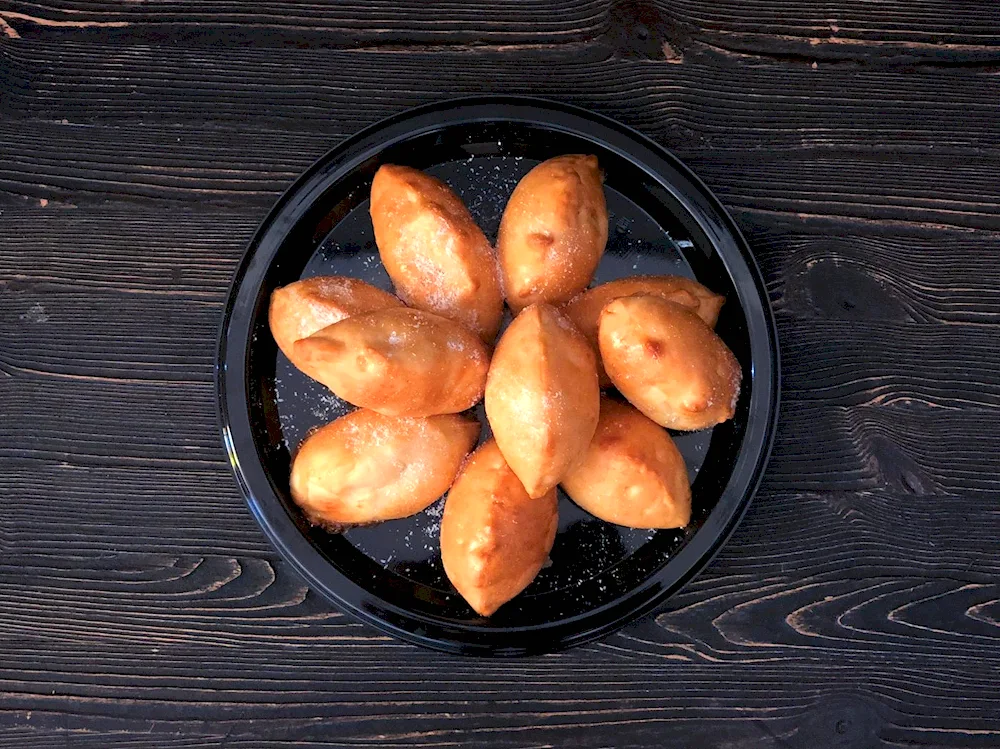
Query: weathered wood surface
x=858 y=147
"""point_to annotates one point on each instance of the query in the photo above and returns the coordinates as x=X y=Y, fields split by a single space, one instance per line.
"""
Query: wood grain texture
x=856 y=146
x=891 y=34
x=298 y=24
x=874 y=146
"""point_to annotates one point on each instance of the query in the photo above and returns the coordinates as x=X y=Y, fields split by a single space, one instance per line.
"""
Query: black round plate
x=663 y=220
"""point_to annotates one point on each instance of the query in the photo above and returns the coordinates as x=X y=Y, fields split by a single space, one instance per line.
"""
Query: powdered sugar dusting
x=328 y=407
x=486 y=185
x=432 y=530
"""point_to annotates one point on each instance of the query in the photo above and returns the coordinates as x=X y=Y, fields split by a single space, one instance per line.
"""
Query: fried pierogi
x=632 y=474
x=437 y=257
x=365 y=467
x=668 y=363
x=542 y=397
x=553 y=231
x=494 y=537
x=301 y=308
x=399 y=362
x=585 y=309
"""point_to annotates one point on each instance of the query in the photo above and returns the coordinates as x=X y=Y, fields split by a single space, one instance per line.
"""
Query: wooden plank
x=186 y=509
x=851 y=146
x=896 y=34
x=861 y=533
x=735 y=102
x=188 y=251
x=824 y=270
x=889 y=34
x=296 y=24
x=75 y=164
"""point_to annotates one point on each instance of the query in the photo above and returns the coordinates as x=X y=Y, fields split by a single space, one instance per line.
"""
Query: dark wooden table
x=857 y=144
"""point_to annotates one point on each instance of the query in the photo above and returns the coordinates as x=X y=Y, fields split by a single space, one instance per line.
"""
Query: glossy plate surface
x=662 y=220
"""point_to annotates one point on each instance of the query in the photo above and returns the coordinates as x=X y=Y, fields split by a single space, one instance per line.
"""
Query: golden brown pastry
x=542 y=398
x=365 y=467
x=668 y=362
x=437 y=257
x=494 y=537
x=553 y=231
x=585 y=309
x=632 y=474
x=399 y=362
x=301 y=308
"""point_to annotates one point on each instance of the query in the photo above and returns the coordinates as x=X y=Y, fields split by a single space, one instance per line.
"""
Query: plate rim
x=641 y=599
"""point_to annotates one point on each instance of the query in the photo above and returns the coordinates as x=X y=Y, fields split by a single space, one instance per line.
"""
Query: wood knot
x=638 y=29
x=849 y=721
x=844 y=289
x=897 y=469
